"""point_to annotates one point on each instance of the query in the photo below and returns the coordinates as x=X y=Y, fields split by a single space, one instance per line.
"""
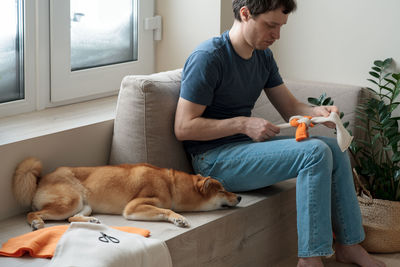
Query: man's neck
x=241 y=47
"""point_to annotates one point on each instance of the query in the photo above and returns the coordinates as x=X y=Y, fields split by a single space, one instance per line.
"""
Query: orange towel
x=42 y=243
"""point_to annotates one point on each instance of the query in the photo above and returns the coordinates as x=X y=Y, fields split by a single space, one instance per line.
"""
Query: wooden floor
x=391 y=260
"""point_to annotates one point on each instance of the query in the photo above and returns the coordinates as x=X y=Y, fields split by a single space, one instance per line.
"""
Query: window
x=60 y=52
x=102 y=34
x=11 y=51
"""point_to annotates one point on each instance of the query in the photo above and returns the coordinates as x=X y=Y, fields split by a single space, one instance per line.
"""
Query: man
x=221 y=81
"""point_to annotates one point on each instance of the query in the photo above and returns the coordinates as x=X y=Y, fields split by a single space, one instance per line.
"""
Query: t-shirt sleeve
x=200 y=78
x=274 y=78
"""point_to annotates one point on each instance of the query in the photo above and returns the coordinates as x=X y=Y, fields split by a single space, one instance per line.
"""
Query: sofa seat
x=260 y=231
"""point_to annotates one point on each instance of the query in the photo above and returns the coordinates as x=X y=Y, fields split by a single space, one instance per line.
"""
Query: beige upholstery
x=143 y=128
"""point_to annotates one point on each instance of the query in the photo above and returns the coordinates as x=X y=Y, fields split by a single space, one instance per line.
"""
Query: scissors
x=106 y=238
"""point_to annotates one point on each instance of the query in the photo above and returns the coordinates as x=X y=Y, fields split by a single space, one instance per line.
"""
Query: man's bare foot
x=310 y=262
x=356 y=254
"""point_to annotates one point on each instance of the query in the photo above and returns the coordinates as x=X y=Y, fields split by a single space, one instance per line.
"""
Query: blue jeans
x=325 y=195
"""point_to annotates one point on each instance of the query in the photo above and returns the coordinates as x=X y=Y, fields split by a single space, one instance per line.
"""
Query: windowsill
x=52 y=120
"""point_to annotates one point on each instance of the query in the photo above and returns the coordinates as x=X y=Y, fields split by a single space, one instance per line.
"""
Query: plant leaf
x=377 y=69
x=322 y=97
x=390 y=81
x=326 y=101
x=396 y=76
x=374 y=74
x=313 y=101
x=393 y=141
x=396 y=157
x=378 y=63
x=397 y=175
x=378 y=135
x=373 y=81
x=387 y=88
x=387 y=62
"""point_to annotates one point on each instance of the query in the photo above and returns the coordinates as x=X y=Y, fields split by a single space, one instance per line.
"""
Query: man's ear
x=245 y=13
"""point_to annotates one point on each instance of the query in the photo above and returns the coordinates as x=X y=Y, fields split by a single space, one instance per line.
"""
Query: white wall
x=337 y=41
x=186 y=23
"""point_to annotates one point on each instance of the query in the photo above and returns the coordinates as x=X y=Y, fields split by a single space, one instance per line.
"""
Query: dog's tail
x=25 y=180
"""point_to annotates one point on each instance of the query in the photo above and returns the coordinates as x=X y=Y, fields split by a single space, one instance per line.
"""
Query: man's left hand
x=325 y=111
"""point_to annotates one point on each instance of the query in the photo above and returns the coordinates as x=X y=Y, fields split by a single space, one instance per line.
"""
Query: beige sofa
x=261 y=231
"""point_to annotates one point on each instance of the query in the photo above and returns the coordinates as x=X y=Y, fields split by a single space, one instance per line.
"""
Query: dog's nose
x=239 y=198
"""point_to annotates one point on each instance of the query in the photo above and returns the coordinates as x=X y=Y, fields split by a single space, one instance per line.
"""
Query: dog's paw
x=94 y=220
x=181 y=222
x=36 y=225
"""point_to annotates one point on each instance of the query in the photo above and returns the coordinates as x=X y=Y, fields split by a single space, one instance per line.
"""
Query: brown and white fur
x=137 y=191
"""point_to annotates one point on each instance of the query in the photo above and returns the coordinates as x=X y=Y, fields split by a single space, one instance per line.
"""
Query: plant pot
x=381 y=221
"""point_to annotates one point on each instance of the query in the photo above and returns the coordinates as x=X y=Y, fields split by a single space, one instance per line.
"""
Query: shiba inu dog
x=137 y=191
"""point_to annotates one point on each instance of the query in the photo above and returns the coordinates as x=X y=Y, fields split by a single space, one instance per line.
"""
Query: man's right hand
x=259 y=129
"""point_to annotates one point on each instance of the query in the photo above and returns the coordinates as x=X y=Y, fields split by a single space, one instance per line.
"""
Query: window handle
x=78 y=16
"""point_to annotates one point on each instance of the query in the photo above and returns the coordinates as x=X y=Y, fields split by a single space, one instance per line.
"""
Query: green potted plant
x=376 y=156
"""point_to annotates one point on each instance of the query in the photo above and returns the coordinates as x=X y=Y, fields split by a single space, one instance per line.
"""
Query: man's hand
x=325 y=111
x=259 y=129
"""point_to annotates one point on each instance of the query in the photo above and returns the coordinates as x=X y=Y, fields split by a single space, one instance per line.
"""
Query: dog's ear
x=203 y=185
x=208 y=184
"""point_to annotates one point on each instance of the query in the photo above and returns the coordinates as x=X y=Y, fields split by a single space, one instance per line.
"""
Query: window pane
x=103 y=32
x=11 y=51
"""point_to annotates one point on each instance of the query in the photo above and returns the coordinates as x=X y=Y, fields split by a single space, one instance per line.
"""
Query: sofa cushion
x=144 y=123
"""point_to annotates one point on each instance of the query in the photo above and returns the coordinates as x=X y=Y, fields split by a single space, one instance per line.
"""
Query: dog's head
x=214 y=194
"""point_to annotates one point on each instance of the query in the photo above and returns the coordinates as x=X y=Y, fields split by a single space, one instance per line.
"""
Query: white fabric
x=343 y=137
x=80 y=246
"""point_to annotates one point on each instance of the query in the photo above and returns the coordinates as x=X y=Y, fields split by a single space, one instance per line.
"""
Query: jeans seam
x=339 y=210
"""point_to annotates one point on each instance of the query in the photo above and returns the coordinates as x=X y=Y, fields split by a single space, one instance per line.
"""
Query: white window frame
x=67 y=84
x=42 y=89
x=29 y=102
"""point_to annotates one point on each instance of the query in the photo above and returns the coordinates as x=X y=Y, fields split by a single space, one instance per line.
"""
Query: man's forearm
x=303 y=109
x=203 y=129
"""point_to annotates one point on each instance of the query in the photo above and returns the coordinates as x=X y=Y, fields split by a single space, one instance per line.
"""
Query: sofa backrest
x=346 y=97
x=144 y=123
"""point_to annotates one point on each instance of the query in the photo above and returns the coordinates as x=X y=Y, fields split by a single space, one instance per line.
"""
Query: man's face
x=263 y=30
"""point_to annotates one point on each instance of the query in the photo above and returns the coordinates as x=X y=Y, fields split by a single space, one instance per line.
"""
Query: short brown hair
x=257 y=7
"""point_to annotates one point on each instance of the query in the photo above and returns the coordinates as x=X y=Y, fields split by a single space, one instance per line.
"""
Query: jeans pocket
x=203 y=162
x=200 y=165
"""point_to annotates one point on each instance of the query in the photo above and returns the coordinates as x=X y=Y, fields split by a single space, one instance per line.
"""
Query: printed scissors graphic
x=106 y=238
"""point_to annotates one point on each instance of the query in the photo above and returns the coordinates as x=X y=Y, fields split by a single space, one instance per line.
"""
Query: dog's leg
x=52 y=206
x=49 y=212
x=35 y=219
x=146 y=209
x=82 y=216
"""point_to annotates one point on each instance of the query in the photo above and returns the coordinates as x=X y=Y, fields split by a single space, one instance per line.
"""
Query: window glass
x=11 y=50
x=103 y=32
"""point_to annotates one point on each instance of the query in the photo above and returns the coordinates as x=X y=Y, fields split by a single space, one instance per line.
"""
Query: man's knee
x=320 y=149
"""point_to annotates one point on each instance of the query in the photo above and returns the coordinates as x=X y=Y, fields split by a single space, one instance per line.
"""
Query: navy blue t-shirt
x=214 y=75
